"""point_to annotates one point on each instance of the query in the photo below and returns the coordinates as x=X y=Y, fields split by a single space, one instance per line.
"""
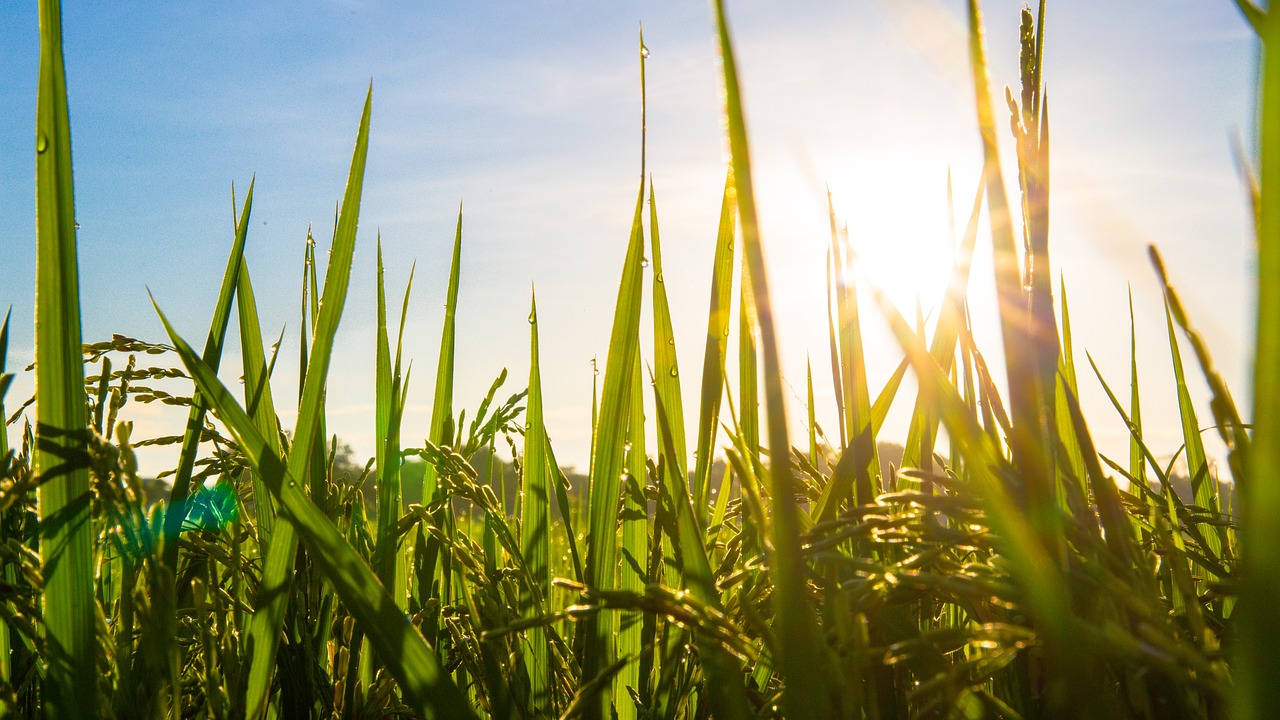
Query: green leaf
x=258 y=397
x=717 y=348
x=264 y=631
x=666 y=369
x=535 y=526
x=725 y=690
x=609 y=454
x=390 y=387
x=442 y=406
x=62 y=434
x=633 y=569
x=800 y=656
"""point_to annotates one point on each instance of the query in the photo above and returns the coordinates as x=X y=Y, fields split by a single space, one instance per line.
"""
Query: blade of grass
x=855 y=390
x=632 y=573
x=61 y=461
x=535 y=526
x=264 y=630
x=389 y=382
x=606 y=489
x=257 y=390
x=1256 y=16
x=717 y=349
x=5 y=380
x=9 y=573
x=608 y=454
x=442 y=406
x=1225 y=414
x=725 y=691
x=1203 y=484
x=800 y=642
x=666 y=369
x=442 y=432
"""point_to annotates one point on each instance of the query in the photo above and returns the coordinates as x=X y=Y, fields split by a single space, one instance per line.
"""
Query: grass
x=1019 y=574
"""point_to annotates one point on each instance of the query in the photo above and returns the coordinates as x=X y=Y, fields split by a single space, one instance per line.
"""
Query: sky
x=528 y=115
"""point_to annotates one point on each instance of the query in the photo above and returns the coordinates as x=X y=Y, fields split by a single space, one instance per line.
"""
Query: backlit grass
x=1010 y=572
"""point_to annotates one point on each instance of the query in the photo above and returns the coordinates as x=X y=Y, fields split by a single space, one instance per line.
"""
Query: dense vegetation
x=1009 y=571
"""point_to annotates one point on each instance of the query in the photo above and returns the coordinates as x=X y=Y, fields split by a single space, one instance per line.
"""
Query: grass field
x=1003 y=569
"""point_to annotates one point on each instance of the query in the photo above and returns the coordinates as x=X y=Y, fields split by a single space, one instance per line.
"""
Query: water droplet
x=671 y=341
x=644 y=51
x=77 y=224
x=730 y=244
x=644 y=262
x=674 y=372
x=626 y=448
x=658 y=277
x=533 y=318
x=42 y=143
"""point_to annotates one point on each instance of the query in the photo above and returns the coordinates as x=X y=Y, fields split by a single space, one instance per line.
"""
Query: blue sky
x=528 y=114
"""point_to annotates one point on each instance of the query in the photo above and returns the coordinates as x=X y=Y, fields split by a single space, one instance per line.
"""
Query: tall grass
x=1015 y=573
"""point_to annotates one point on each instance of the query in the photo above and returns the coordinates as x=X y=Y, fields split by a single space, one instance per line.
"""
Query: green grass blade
x=800 y=642
x=425 y=685
x=1137 y=466
x=5 y=380
x=725 y=691
x=1226 y=416
x=748 y=367
x=812 y=423
x=1256 y=16
x=257 y=390
x=632 y=569
x=1115 y=521
x=177 y=512
x=1203 y=484
x=61 y=461
x=1257 y=694
x=442 y=406
x=435 y=564
x=609 y=455
x=666 y=369
x=1070 y=452
x=389 y=393
x=9 y=576
x=717 y=348
x=559 y=484
x=535 y=526
x=853 y=366
x=264 y=630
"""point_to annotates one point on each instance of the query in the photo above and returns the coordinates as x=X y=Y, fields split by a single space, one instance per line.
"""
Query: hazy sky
x=529 y=114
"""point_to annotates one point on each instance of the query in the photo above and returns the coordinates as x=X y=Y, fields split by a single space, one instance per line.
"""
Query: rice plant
x=1014 y=573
